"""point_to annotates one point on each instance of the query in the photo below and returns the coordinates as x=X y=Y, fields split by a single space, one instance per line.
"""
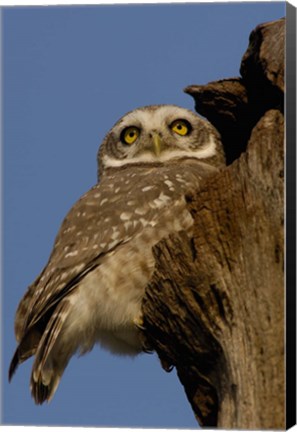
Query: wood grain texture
x=215 y=306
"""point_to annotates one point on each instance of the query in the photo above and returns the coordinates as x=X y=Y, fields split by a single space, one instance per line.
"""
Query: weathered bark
x=215 y=306
x=235 y=105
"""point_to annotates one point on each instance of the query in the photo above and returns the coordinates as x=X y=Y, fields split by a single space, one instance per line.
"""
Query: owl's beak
x=157 y=144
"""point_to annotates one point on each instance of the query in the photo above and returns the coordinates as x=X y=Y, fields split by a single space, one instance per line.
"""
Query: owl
x=92 y=287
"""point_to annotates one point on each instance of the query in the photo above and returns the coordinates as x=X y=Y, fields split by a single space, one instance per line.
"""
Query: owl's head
x=159 y=134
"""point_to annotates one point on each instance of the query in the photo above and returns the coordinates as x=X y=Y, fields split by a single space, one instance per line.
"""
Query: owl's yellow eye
x=130 y=135
x=181 y=127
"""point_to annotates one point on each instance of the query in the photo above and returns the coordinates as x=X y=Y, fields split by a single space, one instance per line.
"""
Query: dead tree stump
x=215 y=306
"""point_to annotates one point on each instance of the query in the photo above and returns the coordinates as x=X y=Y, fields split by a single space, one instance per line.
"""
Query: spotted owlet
x=92 y=287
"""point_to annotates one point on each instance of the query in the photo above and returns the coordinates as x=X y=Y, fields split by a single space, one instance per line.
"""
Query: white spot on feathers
x=115 y=235
x=147 y=188
x=125 y=216
x=71 y=254
x=112 y=244
x=144 y=222
x=161 y=201
x=127 y=225
x=103 y=201
x=140 y=211
x=168 y=183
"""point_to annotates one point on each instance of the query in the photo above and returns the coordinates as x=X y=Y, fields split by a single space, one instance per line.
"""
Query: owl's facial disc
x=157 y=140
x=158 y=134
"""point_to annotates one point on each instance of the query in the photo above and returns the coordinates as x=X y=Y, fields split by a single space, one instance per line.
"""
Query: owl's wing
x=100 y=221
x=91 y=229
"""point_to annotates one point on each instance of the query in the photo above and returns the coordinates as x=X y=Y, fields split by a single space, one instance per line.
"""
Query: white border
x=11 y=3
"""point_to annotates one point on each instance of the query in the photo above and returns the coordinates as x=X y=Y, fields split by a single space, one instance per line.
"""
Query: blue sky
x=69 y=73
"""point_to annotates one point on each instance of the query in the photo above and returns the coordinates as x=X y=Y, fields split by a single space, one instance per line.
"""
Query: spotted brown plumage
x=92 y=286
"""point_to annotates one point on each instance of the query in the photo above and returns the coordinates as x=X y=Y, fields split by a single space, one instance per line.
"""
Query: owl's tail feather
x=27 y=347
x=52 y=356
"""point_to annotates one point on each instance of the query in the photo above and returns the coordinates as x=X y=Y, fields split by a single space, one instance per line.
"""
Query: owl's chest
x=141 y=192
x=148 y=205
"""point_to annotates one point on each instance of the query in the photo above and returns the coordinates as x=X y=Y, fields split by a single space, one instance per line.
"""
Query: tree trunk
x=215 y=306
